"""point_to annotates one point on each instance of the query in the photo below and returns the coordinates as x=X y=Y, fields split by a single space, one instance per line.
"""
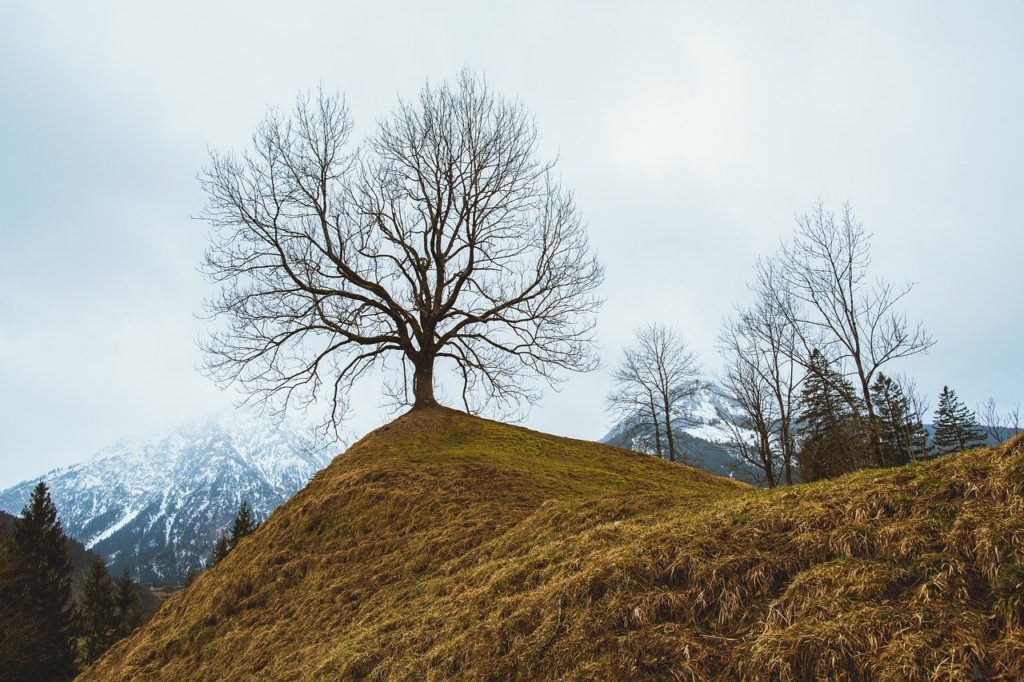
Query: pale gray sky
x=691 y=132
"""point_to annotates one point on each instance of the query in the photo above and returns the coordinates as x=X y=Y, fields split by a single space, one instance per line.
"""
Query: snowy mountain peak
x=156 y=503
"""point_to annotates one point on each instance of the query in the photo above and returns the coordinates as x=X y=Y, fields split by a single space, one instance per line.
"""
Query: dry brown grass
x=444 y=546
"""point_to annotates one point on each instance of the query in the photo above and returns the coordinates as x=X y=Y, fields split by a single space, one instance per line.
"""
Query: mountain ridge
x=155 y=504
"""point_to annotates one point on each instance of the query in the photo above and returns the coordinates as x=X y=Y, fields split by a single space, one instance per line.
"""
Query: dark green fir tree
x=956 y=427
x=97 y=612
x=901 y=434
x=16 y=631
x=245 y=523
x=829 y=423
x=129 y=616
x=220 y=550
x=40 y=545
x=191 y=574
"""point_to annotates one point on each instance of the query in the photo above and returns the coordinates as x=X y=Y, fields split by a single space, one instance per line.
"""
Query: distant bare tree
x=1013 y=419
x=760 y=349
x=744 y=383
x=445 y=239
x=838 y=308
x=988 y=415
x=996 y=424
x=633 y=401
x=657 y=372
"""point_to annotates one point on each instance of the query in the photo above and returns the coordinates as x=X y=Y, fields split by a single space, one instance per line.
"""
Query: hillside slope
x=446 y=546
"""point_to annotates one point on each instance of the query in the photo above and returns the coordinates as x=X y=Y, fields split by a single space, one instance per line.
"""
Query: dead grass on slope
x=448 y=547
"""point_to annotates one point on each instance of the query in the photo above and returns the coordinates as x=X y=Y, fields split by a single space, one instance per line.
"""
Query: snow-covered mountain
x=702 y=435
x=157 y=504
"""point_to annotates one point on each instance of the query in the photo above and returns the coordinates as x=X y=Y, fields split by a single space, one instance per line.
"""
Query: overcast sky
x=691 y=133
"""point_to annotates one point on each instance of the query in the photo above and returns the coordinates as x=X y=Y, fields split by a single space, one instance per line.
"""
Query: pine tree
x=829 y=423
x=128 y=614
x=16 y=631
x=191 y=574
x=220 y=550
x=900 y=432
x=40 y=545
x=97 y=612
x=956 y=427
x=244 y=524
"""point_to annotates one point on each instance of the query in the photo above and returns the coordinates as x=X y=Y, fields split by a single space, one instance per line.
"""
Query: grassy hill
x=444 y=546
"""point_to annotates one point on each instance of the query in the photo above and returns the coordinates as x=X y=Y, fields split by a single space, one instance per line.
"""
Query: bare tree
x=743 y=382
x=837 y=308
x=445 y=239
x=997 y=425
x=656 y=374
x=988 y=415
x=633 y=401
x=761 y=374
x=1013 y=420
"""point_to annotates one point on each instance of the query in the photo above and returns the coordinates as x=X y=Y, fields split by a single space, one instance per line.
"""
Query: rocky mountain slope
x=157 y=504
x=444 y=546
x=702 y=435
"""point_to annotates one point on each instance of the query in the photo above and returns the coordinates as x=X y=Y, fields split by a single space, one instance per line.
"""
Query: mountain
x=701 y=433
x=156 y=505
x=444 y=546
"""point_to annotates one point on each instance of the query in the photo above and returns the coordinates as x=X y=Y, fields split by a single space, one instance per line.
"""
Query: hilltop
x=443 y=546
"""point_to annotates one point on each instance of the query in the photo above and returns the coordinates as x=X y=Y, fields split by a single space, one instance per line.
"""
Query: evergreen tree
x=244 y=524
x=45 y=568
x=97 y=612
x=191 y=574
x=220 y=550
x=956 y=427
x=128 y=615
x=16 y=631
x=829 y=423
x=901 y=434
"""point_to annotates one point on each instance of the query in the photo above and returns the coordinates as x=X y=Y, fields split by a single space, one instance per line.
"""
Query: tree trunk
x=423 y=384
x=787 y=452
x=657 y=429
x=668 y=429
x=869 y=407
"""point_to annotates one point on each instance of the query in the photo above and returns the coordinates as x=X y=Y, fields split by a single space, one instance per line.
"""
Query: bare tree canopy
x=998 y=426
x=835 y=306
x=656 y=373
x=762 y=377
x=444 y=239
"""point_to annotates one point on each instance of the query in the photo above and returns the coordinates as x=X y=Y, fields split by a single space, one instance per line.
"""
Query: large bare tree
x=444 y=239
x=657 y=372
x=835 y=306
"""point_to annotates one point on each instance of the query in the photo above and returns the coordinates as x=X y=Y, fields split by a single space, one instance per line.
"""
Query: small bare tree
x=656 y=374
x=743 y=382
x=445 y=239
x=762 y=376
x=988 y=415
x=838 y=308
x=998 y=425
x=1013 y=419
